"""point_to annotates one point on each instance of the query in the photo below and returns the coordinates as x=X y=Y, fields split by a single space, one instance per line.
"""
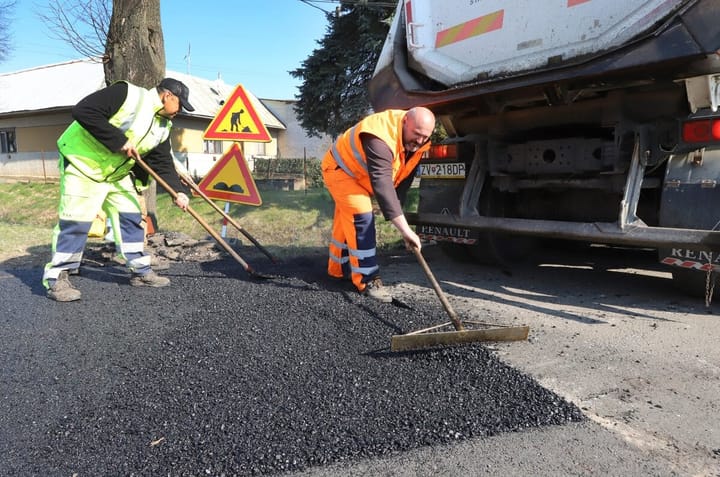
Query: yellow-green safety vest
x=137 y=118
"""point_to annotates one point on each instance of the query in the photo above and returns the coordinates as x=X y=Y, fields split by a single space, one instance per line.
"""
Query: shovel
x=200 y=220
x=433 y=336
x=232 y=221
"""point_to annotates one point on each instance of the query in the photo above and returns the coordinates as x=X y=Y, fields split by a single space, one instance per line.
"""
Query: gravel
x=223 y=373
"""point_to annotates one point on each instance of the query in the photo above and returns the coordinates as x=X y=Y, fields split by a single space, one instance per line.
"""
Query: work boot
x=62 y=289
x=375 y=290
x=150 y=279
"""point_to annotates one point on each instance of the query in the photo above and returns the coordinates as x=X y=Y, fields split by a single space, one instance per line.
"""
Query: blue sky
x=253 y=43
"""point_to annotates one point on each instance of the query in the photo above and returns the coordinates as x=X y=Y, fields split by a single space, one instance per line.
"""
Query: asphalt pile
x=223 y=373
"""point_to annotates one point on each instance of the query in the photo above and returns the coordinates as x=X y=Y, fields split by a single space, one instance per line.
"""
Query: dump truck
x=594 y=121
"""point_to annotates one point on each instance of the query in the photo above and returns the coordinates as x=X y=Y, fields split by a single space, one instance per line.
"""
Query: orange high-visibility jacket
x=348 y=154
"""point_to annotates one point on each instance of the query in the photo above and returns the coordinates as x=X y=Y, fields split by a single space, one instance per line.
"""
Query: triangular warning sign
x=230 y=180
x=237 y=121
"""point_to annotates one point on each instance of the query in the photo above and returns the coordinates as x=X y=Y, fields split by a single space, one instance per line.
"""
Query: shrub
x=307 y=168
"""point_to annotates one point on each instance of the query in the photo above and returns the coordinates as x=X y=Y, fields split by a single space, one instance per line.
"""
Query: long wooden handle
x=446 y=304
x=232 y=221
x=195 y=215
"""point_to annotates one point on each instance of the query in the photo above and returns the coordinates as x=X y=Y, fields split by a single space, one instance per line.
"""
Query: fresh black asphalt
x=223 y=373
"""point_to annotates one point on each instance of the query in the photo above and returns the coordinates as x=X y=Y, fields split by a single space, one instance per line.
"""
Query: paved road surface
x=222 y=374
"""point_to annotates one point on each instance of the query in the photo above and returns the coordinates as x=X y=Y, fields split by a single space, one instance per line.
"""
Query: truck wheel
x=493 y=248
x=456 y=251
x=499 y=248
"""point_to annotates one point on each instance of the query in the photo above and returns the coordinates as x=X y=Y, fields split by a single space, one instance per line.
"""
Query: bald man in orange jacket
x=376 y=157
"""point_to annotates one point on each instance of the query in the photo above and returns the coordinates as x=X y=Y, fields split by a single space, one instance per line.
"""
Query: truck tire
x=456 y=251
x=494 y=248
x=501 y=249
x=491 y=249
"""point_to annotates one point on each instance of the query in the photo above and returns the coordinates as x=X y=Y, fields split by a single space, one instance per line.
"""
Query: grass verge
x=285 y=222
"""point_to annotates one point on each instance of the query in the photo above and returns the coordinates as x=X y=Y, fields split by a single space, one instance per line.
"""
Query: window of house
x=212 y=147
x=7 y=140
x=255 y=149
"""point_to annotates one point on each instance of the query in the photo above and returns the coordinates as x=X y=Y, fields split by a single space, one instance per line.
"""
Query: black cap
x=179 y=89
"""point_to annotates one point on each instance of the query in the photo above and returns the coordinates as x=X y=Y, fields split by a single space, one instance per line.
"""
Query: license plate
x=444 y=170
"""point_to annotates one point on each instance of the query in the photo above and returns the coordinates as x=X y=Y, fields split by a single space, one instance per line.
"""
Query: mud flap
x=442 y=196
x=689 y=197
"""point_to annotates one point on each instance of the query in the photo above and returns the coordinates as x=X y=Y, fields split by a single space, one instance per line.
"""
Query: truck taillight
x=442 y=151
x=703 y=130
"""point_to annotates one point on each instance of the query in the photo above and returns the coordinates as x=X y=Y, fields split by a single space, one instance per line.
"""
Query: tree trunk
x=135 y=52
x=135 y=47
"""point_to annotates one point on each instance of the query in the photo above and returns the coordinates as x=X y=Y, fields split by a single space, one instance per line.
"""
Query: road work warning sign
x=237 y=121
x=230 y=180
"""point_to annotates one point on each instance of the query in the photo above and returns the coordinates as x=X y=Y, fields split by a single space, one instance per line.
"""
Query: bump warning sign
x=230 y=180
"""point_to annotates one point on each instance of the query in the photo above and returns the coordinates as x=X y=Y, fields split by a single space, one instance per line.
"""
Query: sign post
x=230 y=178
x=225 y=221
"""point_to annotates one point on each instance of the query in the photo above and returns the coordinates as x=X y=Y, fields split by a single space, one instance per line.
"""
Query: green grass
x=286 y=220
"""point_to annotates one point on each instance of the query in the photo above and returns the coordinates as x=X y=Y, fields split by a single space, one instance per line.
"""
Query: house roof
x=64 y=84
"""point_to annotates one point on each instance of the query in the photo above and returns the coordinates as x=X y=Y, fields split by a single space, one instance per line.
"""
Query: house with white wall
x=36 y=104
x=294 y=141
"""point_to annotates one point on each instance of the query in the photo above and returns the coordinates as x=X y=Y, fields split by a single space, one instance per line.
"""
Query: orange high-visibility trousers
x=353 y=234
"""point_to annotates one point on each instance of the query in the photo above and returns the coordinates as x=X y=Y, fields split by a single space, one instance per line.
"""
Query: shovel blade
x=413 y=341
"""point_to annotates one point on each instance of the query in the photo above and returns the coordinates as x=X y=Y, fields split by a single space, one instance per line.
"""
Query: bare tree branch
x=82 y=24
x=6 y=9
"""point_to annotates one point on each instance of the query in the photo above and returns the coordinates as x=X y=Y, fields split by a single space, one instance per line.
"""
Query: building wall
x=188 y=147
x=37 y=134
x=37 y=115
x=40 y=138
x=36 y=140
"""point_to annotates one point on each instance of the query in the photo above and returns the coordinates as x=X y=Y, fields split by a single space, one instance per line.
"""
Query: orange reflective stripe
x=357 y=155
x=348 y=154
x=469 y=29
x=351 y=200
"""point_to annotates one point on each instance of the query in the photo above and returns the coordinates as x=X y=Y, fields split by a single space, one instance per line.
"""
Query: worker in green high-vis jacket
x=111 y=128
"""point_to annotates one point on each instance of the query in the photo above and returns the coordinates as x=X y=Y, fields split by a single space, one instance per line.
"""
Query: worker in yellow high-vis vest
x=111 y=128
x=376 y=157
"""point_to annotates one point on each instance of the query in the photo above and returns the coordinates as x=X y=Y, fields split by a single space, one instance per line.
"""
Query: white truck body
x=458 y=41
x=588 y=120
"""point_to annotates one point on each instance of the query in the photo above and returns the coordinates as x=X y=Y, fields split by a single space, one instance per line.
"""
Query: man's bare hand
x=412 y=240
x=409 y=236
x=129 y=150
x=182 y=201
